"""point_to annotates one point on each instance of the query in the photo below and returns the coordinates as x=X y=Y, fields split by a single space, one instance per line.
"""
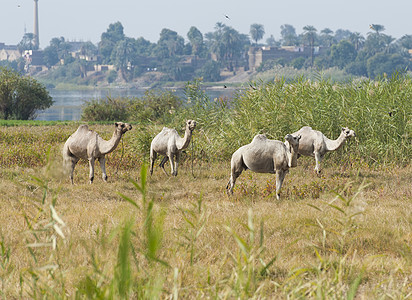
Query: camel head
x=190 y=124
x=292 y=144
x=348 y=133
x=123 y=127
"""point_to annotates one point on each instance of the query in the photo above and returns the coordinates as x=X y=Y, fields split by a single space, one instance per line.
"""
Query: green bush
x=108 y=109
x=111 y=76
x=21 y=97
x=156 y=106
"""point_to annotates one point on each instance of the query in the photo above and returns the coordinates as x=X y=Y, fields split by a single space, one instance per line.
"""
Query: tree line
x=226 y=48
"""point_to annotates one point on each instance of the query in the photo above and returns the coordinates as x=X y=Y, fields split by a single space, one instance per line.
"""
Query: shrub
x=21 y=97
x=155 y=106
x=108 y=109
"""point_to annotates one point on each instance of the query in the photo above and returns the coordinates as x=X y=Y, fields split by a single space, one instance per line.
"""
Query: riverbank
x=150 y=80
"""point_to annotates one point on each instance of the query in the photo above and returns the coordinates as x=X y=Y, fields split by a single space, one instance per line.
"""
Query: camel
x=170 y=144
x=87 y=144
x=315 y=143
x=263 y=155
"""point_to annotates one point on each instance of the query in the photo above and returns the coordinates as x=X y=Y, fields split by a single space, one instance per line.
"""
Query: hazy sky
x=86 y=20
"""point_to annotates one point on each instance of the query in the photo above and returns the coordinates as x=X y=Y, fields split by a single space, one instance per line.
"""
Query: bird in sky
x=227 y=17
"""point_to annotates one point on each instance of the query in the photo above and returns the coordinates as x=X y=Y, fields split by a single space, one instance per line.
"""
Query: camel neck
x=108 y=146
x=332 y=145
x=292 y=155
x=182 y=143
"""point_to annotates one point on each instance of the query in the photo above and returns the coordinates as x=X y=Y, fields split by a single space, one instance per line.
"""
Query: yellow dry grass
x=379 y=245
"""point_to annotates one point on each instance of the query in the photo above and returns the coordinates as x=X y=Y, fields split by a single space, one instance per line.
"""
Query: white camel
x=315 y=143
x=265 y=156
x=87 y=144
x=170 y=144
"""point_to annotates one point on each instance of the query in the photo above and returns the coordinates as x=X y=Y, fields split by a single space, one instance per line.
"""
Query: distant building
x=259 y=55
x=104 y=68
x=9 y=52
x=9 y=55
x=33 y=57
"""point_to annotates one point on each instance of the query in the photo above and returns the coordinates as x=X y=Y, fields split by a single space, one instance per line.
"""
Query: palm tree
x=256 y=32
x=357 y=40
x=123 y=56
x=377 y=28
x=327 y=36
x=387 y=40
x=288 y=33
x=309 y=34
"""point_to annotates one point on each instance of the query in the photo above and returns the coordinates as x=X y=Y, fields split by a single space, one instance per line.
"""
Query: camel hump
x=260 y=137
x=83 y=127
x=306 y=128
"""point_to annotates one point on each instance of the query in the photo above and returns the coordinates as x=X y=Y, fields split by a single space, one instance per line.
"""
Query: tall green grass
x=378 y=111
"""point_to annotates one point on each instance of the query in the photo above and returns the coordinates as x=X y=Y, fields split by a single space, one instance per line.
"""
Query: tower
x=36 y=24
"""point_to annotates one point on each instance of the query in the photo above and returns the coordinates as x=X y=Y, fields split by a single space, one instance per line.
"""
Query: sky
x=86 y=20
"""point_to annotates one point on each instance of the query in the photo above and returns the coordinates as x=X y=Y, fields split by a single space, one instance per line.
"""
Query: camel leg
x=177 y=162
x=280 y=176
x=91 y=165
x=153 y=156
x=102 y=161
x=318 y=159
x=172 y=164
x=237 y=168
x=162 y=164
x=73 y=161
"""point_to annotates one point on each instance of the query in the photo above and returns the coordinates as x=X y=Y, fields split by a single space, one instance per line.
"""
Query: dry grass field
x=344 y=235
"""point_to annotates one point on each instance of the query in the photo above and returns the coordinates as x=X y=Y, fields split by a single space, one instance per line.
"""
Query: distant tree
x=234 y=45
x=326 y=37
x=109 y=39
x=61 y=46
x=50 y=56
x=27 y=43
x=20 y=96
x=374 y=44
x=144 y=47
x=358 y=66
x=387 y=41
x=210 y=71
x=288 y=33
x=309 y=34
x=357 y=40
x=124 y=56
x=384 y=63
x=377 y=28
x=257 y=31
x=270 y=41
x=342 y=34
x=88 y=48
x=196 y=40
x=170 y=44
x=342 y=54
x=227 y=45
x=405 y=42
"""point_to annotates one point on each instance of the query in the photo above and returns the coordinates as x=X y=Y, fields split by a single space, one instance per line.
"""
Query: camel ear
x=116 y=124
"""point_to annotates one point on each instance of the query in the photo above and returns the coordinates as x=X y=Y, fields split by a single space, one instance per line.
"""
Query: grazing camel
x=315 y=143
x=87 y=144
x=170 y=144
x=265 y=156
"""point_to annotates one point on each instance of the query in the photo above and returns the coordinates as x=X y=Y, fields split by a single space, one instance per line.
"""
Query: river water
x=67 y=104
